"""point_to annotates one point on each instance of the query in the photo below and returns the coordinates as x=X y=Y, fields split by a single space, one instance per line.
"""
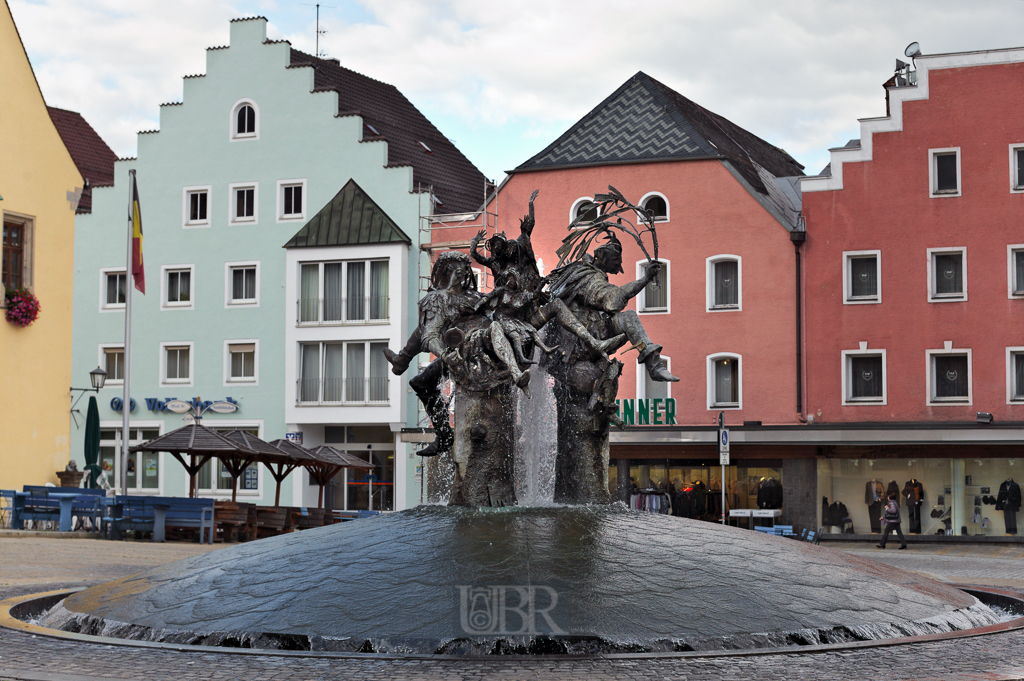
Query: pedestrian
x=891 y=519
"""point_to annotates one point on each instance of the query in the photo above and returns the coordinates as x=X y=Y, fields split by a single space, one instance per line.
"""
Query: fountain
x=528 y=556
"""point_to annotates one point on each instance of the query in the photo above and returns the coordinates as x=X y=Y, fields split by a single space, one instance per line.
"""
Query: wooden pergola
x=200 y=444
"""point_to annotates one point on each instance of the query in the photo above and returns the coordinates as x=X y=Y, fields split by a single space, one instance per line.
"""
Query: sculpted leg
x=558 y=310
x=427 y=386
x=504 y=350
x=400 y=360
x=629 y=323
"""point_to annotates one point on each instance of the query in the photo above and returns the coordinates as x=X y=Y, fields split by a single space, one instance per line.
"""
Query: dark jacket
x=892 y=512
x=893 y=487
x=913 y=492
x=1009 y=496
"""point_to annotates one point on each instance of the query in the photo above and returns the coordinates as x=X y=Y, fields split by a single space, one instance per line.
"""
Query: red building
x=914 y=297
x=725 y=305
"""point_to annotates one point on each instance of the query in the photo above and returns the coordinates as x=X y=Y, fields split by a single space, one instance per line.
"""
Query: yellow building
x=36 y=175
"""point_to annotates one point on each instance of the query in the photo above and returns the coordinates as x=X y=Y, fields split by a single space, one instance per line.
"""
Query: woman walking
x=891 y=518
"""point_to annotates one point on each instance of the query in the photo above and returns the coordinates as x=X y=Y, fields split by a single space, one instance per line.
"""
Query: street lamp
x=98 y=377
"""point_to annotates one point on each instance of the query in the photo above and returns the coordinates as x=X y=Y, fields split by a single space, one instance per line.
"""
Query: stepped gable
x=457 y=183
x=350 y=218
x=94 y=159
x=645 y=120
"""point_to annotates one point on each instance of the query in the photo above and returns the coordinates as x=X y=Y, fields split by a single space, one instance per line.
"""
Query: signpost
x=723 y=454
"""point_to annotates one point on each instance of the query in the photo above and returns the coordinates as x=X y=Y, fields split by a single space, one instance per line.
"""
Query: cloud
x=504 y=79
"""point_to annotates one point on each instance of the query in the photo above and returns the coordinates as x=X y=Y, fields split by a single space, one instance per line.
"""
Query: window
x=864 y=380
x=343 y=292
x=112 y=361
x=657 y=204
x=16 y=253
x=244 y=202
x=944 y=171
x=723 y=283
x=949 y=375
x=724 y=382
x=241 y=362
x=113 y=289
x=214 y=479
x=947 y=275
x=177 y=282
x=1014 y=375
x=1017 y=168
x=196 y=208
x=242 y=283
x=655 y=296
x=585 y=209
x=245 y=120
x=862 y=277
x=1015 y=271
x=355 y=372
x=176 y=363
x=143 y=468
x=290 y=200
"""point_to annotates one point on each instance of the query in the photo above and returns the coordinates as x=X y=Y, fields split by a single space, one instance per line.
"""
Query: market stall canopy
x=342 y=458
x=264 y=452
x=200 y=443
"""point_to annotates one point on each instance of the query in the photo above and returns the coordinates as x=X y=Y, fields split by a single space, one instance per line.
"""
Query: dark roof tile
x=93 y=158
x=350 y=218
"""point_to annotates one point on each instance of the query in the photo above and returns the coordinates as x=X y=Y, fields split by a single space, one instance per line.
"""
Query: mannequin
x=874 y=496
x=1008 y=502
x=913 y=493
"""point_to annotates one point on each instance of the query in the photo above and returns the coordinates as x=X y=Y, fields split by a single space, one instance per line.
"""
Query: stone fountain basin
x=579 y=579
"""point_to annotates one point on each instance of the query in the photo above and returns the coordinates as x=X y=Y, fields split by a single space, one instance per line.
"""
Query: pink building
x=914 y=298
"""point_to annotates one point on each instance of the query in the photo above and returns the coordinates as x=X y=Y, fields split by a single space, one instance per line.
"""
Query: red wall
x=710 y=214
x=885 y=204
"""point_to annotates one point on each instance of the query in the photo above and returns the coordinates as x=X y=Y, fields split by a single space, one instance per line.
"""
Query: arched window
x=725 y=381
x=585 y=209
x=657 y=204
x=724 y=283
x=245 y=120
x=656 y=296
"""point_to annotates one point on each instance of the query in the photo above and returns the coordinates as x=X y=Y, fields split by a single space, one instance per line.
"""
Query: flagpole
x=126 y=403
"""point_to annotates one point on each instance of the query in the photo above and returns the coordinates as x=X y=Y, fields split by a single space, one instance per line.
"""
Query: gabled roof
x=92 y=156
x=457 y=183
x=194 y=439
x=646 y=121
x=350 y=218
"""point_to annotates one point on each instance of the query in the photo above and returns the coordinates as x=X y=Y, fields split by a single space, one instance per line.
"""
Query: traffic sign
x=723 y=447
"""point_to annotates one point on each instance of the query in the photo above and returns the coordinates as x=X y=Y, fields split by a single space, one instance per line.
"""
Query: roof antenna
x=319 y=31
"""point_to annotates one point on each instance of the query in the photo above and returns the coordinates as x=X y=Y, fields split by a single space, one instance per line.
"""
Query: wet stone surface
x=467 y=581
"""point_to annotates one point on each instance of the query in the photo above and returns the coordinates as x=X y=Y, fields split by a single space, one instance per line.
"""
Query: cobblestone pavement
x=40 y=658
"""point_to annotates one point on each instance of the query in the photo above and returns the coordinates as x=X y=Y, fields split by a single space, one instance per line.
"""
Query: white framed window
x=242 y=283
x=177 y=284
x=1015 y=271
x=724 y=275
x=195 y=210
x=656 y=298
x=145 y=469
x=585 y=208
x=864 y=377
x=343 y=373
x=947 y=275
x=214 y=480
x=243 y=205
x=647 y=389
x=944 y=177
x=291 y=200
x=112 y=360
x=245 y=120
x=949 y=376
x=657 y=204
x=1016 y=168
x=725 y=381
x=176 y=363
x=862 y=277
x=1015 y=375
x=344 y=292
x=241 y=361
x=113 y=289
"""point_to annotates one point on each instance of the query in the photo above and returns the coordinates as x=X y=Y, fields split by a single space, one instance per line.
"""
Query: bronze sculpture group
x=486 y=343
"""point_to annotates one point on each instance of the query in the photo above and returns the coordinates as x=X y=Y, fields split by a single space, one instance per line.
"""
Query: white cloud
x=504 y=79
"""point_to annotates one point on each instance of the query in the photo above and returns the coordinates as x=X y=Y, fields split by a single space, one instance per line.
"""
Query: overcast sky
x=505 y=79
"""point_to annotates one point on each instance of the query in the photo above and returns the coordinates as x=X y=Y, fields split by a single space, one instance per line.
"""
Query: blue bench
x=60 y=504
x=156 y=514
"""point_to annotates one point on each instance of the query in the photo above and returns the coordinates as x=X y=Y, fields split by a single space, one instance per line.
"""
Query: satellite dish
x=223 y=407
x=188 y=419
x=178 y=406
x=913 y=50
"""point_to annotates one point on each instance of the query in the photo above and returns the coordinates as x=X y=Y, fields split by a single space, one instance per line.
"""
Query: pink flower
x=22 y=307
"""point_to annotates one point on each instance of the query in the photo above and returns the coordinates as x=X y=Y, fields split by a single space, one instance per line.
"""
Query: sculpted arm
x=476 y=255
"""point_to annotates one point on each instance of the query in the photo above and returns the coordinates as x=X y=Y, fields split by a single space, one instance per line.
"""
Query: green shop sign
x=657 y=412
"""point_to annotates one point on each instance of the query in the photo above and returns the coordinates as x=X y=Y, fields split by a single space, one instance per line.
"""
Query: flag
x=135 y=224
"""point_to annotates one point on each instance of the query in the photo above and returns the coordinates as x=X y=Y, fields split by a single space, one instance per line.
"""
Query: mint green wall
x=300 y=136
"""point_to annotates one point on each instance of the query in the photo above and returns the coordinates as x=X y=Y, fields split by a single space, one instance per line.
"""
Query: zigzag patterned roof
x=644 y=120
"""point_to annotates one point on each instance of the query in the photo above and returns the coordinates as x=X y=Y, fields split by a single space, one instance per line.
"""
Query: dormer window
x=657 y=205
x=244 y=120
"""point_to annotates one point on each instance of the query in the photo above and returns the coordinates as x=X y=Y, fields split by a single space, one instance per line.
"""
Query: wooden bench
x=235 y=521
x=140 y=514
x=270 y=520
x=304 y=518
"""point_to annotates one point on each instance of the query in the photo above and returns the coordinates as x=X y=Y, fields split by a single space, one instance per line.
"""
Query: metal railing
x=325 y=311
x=343 y=391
